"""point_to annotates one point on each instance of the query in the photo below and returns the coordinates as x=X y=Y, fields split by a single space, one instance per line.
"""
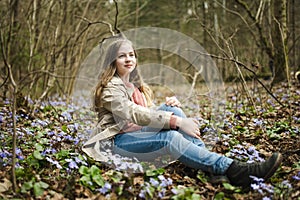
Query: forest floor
x=51 y=165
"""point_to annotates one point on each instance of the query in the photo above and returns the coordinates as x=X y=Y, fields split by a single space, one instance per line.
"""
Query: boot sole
x=275 y=167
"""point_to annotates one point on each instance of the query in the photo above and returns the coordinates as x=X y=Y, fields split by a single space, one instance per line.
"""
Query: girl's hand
x=190 y=126
x=172 y=101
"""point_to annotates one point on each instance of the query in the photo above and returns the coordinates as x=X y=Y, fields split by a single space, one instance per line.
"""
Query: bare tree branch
x=245 y=67
x=116 y=17
x=97 y=22
x=263 y=39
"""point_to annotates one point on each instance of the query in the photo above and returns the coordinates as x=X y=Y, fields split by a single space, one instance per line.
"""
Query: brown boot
x=239 y=173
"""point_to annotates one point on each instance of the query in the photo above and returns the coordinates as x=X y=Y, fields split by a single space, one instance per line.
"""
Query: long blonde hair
x=109 y=70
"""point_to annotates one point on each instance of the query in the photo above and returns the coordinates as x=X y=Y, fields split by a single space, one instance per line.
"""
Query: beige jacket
x=117 y=111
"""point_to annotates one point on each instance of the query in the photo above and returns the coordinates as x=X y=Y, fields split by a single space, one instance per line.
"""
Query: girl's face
x=126 y=60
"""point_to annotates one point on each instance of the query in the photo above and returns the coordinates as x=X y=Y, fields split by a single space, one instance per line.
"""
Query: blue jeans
x=150 y=143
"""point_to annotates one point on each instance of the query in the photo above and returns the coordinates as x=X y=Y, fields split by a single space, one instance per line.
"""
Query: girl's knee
x=176 y=110
x=173 y=136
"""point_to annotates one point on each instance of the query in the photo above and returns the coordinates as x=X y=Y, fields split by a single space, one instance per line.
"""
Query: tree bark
x=279 y=38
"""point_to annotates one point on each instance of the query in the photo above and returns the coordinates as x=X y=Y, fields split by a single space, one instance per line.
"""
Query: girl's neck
x=125 y=79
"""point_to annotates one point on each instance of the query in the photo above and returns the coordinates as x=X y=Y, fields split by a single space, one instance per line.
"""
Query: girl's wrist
x=178 y=121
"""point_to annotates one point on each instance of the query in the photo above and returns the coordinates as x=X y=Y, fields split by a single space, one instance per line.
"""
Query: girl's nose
x=128 y=58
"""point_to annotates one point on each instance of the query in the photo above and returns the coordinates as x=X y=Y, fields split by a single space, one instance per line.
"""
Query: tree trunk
x=293 y=32
x=279 y=38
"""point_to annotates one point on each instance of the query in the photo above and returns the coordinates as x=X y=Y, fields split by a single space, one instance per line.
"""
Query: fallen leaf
x=138 y=180
x=5 y=184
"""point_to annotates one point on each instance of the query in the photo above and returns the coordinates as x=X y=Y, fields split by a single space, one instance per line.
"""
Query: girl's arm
x=116 y=99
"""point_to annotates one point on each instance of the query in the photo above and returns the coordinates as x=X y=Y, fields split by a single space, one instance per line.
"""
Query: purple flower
x=287 y=184
x=254 y=186
x=161 y=177
x=142 y=194
x=76 y=140
x=154 y=182
x=258 y=122
x=169 y=181
x=54 y=162
x=269 y=101
x=28 y=132
x=174 y=191
x=164 y=182
x=6 y=101
x=72 y=164
x=42 y=123
x=297 y=177
x=51 y=133
x=68 y=137
x=38 y=123
x=105 y=188
x=296 y=119
x=67 y=115
x=266 y=198
x=79 y=161
x=256 y=179
x=162 y=193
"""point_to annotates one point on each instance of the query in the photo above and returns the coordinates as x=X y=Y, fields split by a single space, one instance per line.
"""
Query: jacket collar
x=116 y=80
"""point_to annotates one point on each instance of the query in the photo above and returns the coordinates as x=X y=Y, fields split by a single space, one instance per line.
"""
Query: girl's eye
x=124 y=55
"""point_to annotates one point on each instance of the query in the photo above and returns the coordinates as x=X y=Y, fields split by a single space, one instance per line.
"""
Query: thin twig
x=245 y=67
x=116 y=17
x=5 y=80
x=242 y=77
x=97 y=22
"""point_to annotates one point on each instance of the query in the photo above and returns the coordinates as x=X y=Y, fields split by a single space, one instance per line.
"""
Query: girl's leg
x=151 y=145
x=176 y=110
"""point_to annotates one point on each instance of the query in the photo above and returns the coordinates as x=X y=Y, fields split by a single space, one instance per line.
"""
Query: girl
x=123 y=104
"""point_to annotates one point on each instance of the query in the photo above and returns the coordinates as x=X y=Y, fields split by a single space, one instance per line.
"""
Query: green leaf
x=44 y=141
x=38 y=188
x=26 y=186
x=86 y=180
x=228 y=186
x=44 y=185
x=195 y=196
x=64 y=128
x=96 y=176
x=119 y=190
x=117 y=177
x=38 y=155
x=83 y=170
x=39 y=147
x=240 y=128
x=20 y=173
x=201 y=177
x=95 y=170
x=62 y=154
x=219 y=196
x=155 y=172
x=99 y=180
x=39 y=134
x=150 y=191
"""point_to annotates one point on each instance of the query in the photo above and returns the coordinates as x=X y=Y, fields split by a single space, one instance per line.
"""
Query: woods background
x=43 y=42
